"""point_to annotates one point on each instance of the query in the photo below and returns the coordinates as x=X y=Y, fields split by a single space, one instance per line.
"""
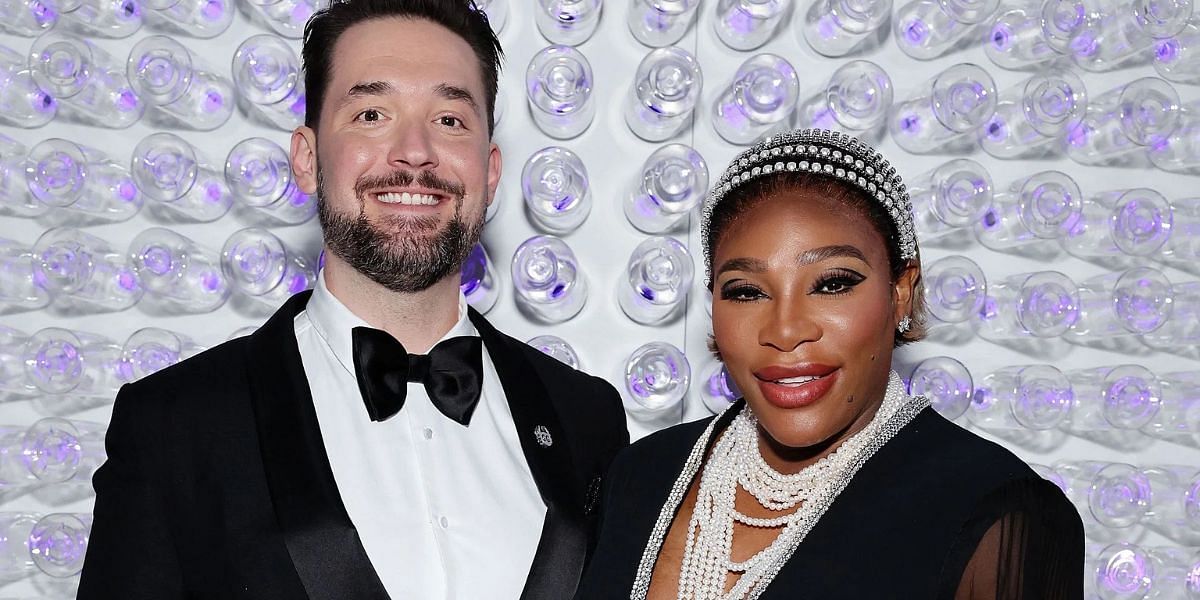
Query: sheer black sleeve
x=1023 y=542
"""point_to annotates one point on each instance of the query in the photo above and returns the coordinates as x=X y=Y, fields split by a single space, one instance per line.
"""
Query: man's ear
x=495 y=167
x=304 y=159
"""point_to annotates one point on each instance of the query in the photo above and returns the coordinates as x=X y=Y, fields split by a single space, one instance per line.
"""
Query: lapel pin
x=591 y=496
x=542 y=434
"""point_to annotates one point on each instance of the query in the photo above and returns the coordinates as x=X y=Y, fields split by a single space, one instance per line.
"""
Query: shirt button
x=428 y=433
x=444 y=522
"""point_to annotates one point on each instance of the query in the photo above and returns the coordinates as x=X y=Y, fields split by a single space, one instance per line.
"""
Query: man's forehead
x=400 y=47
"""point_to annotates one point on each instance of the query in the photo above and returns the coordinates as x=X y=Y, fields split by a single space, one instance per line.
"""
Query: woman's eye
x=743 y=293
x=836 y=285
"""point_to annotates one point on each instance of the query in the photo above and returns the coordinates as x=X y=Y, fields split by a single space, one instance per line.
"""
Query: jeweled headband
x=821 y=152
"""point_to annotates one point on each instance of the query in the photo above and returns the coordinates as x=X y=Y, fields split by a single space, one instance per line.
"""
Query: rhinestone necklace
x=736 y=461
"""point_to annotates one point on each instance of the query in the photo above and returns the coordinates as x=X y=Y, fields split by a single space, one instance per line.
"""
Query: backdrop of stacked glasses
x=1052 y=148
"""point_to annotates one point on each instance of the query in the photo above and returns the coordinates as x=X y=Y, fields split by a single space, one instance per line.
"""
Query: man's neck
x=418 y=320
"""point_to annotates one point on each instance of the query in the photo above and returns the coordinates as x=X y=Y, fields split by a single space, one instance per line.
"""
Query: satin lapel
x=324 y=546
x=558 y=562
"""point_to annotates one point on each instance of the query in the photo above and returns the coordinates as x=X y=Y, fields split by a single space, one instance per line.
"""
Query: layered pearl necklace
x=736 y=461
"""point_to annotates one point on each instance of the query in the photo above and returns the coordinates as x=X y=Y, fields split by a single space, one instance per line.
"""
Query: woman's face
x=804 y=315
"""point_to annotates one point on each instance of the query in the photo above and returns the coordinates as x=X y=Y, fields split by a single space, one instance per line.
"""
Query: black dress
x=905 y=527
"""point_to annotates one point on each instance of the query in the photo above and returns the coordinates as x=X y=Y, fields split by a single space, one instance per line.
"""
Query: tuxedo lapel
x=324 y=546
x=558 y=562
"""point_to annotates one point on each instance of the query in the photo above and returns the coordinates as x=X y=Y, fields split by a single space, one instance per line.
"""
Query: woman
x=826 y=480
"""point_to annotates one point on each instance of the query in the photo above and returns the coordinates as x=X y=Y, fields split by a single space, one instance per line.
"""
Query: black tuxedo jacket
x=217 y=483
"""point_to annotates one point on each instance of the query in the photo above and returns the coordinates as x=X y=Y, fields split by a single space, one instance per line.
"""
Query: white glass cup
x=672 y=183
x=759 y=100
x=179 y=275
x=184 y=91
x=179 y=178
x=84 y=273
x=944 y=110
x=547 y=280
x=655 y=284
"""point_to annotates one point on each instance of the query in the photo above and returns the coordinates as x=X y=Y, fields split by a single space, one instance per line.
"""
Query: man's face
x=405 y=167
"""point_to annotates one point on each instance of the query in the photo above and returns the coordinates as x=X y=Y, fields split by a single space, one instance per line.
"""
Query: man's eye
x=449 y=121
x=370 y=115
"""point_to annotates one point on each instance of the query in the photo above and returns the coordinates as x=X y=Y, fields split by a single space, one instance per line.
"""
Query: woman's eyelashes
x=830 y=283
x=837 y=282
x=736 y=291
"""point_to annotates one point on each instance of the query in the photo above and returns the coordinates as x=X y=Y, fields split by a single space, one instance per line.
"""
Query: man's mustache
x=425 y=179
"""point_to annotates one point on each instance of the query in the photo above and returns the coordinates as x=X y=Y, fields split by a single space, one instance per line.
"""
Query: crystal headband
x=822 y=152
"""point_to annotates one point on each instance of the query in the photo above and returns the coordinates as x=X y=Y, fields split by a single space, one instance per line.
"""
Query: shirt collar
x=333 y=321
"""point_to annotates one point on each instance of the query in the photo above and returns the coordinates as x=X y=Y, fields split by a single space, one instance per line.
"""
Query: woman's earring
x=904 y=325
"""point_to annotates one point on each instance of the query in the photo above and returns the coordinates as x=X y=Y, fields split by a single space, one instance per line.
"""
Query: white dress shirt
x=443 y=510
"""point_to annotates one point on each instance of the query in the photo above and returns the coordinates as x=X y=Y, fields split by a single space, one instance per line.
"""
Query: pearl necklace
x=736 y=461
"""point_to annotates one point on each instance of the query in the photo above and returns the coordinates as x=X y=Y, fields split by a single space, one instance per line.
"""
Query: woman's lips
x=794 y=395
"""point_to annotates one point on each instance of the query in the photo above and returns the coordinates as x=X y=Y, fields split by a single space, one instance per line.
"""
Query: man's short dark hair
x=459 y=16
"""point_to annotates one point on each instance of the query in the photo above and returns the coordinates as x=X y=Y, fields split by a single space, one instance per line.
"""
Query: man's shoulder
x=551 y=370
x=212 y=373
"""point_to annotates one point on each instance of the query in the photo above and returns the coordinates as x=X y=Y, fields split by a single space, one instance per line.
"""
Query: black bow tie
x=452 y=373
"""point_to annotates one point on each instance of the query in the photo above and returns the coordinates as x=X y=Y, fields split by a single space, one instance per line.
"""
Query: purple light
x=212 y=192
x=127 y=280
x=1001 y=37
x=157 y=259
x=297 y=107
x=1143 y=219
x=213 y=101
x=1053 y=304
x=910 y=123
x=153 y=357
x=298 y=284
x=1085 y=44
x=824 y=118
x=125 y=370
x=915 y=32
x=1078 y=136
x=302 y=12
x=989 y=309
x=1131 y=394
x=990 y=219
x=126 y=190
x=827 y=26
x=473 y=271
x=299 y=198
x=130 y=10
x=740 y=22
x=42 y=13
x=563 y=202
x=1167 y=51
x=44 y=103
x=982 y=398
x=127 y=100
x=213 y=10
x=996 y=129
x=559 y=290
x=211 y=281
x=59 y=358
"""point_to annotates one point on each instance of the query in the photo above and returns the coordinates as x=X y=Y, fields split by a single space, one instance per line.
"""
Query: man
x=376 y=438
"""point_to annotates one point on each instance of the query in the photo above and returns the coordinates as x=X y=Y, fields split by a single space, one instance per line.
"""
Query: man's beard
x=404 y=254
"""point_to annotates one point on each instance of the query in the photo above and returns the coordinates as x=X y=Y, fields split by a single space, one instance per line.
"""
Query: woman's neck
x=788 y=459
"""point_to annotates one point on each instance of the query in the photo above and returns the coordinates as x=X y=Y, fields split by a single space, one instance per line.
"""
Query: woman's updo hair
x=729 y=204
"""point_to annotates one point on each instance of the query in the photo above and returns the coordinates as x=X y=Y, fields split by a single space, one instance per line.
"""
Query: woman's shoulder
x=932 y=447
x=674 y=439
x=668 y=448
